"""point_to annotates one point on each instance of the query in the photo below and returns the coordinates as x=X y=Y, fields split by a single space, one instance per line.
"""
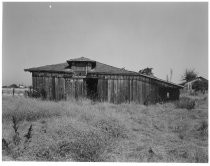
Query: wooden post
x=13 y=91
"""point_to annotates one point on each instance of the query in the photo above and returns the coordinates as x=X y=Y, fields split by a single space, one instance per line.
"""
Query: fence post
x=13 y=91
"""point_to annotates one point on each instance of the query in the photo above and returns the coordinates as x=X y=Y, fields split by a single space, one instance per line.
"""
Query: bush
x=200 y=86
x=185 y=102
x=89 y=146
x=112 y=128
x=203 y=129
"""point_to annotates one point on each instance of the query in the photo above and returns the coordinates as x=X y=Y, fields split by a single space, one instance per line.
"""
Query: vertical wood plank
x=106 y=90
x=124 y=89
x=119 y=91
x=67 y=89
x=140 y=92
x=84 y=88
x=73 y=88
x=53 y=89
x=131 y=90
x=50 y=87
x=109 y=90
x=143 y=90
x=62 y=88
x=115 y=90
x=76 y=88
x=137 y=92
x=128 y=90
x=56 y=89
x=99 y=90
x=147 y=89
x=46 y=87
x=134 y=90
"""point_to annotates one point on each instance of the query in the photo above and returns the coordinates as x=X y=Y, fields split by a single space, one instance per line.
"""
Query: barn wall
x=58 y=87
x=75 y=88
x=102 y=89
x=118 y=89
x=110 y=88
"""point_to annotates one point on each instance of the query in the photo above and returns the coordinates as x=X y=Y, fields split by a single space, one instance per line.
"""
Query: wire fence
x=14 y=91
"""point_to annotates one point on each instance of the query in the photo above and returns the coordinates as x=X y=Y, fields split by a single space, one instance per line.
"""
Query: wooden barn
x=85 y=78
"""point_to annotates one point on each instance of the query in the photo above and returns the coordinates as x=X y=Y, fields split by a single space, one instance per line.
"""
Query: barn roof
x=100 y=68
x=63 y=67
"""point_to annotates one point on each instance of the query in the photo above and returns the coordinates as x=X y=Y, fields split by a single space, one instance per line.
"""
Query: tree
x=13 y=86
x=189 y=75
x=147 y=71
x=167 y=78
x=171 y=74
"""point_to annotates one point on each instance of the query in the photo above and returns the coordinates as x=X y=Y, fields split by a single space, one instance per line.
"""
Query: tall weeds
x=38 y=130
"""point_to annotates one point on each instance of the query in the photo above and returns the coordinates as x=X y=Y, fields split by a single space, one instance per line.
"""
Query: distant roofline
x=193 y=80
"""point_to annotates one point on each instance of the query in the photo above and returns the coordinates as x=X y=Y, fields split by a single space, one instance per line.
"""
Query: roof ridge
x=80 y=58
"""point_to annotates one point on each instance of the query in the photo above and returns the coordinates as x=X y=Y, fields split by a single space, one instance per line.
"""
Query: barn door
x=92 y=88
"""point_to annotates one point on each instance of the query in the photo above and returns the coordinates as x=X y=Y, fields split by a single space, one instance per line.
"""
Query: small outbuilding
x=199 y=83
x=86 y=78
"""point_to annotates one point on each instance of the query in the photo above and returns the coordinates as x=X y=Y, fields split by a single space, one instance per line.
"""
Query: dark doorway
x=163 y=94
x=92 y=88
x=167 y=94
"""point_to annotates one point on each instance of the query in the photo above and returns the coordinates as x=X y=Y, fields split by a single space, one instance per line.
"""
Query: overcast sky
x=163 y=36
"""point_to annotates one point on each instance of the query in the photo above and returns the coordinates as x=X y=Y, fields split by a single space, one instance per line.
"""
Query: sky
x=164 y=36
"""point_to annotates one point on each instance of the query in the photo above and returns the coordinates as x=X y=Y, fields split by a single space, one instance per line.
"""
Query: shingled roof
x=100 y=68
x=63 y=68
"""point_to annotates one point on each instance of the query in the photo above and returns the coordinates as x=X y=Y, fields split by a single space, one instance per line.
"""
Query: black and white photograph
x=105 y=82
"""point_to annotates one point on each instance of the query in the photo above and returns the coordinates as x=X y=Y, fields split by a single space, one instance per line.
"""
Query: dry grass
x=83 y=131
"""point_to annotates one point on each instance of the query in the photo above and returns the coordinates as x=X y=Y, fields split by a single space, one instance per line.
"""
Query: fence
x=14 y=91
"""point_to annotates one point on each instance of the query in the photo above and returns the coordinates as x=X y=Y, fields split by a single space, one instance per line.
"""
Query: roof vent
x=81 y=63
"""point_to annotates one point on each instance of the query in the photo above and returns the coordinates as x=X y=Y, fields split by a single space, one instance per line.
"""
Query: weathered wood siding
x=110 y=88
x=118 y=89
x=102 y=89
x=58 y=87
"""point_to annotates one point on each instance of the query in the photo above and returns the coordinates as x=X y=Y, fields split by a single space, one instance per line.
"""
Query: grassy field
x=85 y=131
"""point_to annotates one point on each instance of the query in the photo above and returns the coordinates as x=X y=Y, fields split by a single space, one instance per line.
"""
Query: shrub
x=89 y=146
x=16 y=147
x=200 y=156
x=5 y=146
x=185 y=102
x=203 y=129
x=44 y=154
x=200 y=86
x=112 y=128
